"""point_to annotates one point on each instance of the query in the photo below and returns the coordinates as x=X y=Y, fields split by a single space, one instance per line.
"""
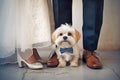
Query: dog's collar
x=69 y=50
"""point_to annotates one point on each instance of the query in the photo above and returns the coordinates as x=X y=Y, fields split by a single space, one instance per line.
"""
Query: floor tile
x=110 y=71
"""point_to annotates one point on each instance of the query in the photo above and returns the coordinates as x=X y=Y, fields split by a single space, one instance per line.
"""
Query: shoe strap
x=51 y=54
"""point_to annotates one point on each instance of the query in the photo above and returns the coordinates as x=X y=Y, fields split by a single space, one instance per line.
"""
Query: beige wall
x=110 y=32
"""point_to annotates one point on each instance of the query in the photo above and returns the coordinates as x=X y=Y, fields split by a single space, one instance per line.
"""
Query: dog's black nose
x=65 y=37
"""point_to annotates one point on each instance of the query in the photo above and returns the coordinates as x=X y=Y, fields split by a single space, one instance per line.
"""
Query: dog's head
x=65 y=36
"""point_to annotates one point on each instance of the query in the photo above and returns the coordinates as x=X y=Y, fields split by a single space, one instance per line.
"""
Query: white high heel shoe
x=35 y=65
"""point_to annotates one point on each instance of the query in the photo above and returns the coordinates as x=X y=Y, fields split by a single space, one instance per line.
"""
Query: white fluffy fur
x=57 y=38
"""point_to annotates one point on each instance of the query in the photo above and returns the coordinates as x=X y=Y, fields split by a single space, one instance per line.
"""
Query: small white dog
x=65 y=39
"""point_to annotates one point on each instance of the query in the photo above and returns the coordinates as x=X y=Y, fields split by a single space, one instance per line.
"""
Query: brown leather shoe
x=91 y=60
x=53 y=61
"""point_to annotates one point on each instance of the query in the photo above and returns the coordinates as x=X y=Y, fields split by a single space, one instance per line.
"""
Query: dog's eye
x=69 y=34
x=60 y=34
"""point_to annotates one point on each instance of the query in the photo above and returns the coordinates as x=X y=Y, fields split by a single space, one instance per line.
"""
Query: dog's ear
x=77 y=35
x=53 y=36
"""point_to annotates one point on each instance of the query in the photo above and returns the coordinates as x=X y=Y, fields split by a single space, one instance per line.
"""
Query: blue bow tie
x=69 y=50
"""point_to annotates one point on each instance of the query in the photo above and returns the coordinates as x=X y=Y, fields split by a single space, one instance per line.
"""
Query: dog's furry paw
x=62 y=65
x=74 y=64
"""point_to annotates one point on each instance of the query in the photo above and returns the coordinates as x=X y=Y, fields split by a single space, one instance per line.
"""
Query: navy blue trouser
x=92 y=19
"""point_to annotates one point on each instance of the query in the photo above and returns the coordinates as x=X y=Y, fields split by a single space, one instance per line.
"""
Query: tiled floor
x=110 y=71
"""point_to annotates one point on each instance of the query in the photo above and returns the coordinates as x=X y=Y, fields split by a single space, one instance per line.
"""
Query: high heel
x=21 y=63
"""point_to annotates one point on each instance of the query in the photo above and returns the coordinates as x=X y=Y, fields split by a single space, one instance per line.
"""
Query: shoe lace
x=91 y=53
